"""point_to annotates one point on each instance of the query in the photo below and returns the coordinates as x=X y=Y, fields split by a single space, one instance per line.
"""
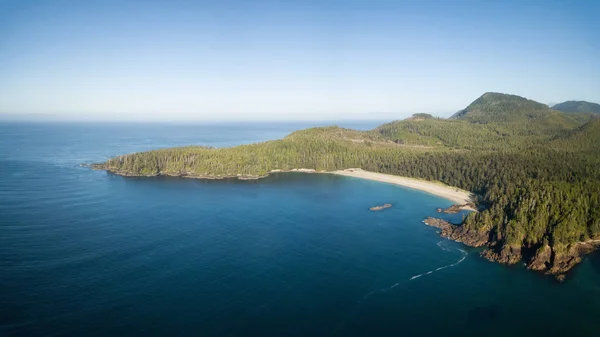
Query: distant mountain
x=578 y=107
x=493 y=106
x=420 y=116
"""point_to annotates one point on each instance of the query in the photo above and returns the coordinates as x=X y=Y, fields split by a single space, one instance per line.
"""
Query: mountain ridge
x=577 y=107
x=491 y=104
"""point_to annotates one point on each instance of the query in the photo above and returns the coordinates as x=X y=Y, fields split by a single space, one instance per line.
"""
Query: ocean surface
x=87 y=253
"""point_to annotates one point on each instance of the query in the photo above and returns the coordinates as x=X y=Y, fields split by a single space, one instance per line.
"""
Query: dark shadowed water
x=86 y=253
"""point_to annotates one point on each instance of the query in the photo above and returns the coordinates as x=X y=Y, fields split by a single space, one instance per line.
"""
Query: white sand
x=448 y=192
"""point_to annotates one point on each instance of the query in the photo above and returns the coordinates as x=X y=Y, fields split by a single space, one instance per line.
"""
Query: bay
x=84 y=252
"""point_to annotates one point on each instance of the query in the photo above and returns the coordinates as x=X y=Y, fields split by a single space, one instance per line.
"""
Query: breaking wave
x=383 y=290
x=442 y=247
x=443 y=267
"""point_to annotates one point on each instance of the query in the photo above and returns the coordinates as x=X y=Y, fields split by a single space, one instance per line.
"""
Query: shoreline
x=453 y=194
x=495 y=252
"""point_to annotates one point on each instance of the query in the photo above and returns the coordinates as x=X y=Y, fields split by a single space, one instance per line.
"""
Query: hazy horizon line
x=48 y=117
x=197 y=121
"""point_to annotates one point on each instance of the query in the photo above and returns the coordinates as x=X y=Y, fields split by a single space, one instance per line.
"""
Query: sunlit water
x=86 y=253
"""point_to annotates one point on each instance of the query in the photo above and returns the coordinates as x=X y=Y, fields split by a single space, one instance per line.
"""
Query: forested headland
x=535 y=171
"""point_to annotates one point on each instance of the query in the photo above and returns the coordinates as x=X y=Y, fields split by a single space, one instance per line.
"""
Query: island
x=380 y=207
x=529 y=173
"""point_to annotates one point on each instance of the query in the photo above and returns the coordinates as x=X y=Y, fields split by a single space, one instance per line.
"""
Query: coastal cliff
x=458 y=233
x=551 y=261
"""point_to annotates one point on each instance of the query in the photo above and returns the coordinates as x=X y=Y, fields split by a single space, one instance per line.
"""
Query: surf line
x=352 y=313
x=439 y=244
x=382 y=290
x=443 y=267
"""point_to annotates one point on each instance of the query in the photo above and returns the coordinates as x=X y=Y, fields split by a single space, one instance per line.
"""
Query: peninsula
x=533 y=172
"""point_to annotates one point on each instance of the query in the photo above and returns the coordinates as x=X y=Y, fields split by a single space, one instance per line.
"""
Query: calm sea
x=86 y=253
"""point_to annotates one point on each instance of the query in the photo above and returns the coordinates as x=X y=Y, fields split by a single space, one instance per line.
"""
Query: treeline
x=539 y=186
x=492 y=134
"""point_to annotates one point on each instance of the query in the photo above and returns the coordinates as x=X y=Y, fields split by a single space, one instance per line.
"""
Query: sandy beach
x=448 y=192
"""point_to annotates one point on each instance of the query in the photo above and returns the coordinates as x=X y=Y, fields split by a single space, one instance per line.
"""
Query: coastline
x=564 y=261
x=461 y=197
x=436 y=188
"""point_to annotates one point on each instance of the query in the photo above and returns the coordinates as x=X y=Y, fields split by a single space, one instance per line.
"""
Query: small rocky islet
x=380 y=207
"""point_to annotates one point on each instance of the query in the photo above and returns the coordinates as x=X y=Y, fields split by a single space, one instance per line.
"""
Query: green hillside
x=578 y=107
x=493 y=106
x=492 y=122
x=535 y=170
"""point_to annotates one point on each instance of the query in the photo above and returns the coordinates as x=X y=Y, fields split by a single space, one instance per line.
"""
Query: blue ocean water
x=87 y=253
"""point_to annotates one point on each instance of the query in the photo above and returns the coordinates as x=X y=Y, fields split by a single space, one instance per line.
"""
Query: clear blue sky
x=325 y=59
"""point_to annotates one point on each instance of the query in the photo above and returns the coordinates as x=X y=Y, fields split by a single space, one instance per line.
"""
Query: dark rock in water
x=558 y=260
x=551 y=260
x=505 y=254
x=97 y=166
x=542 y=259
x=379 y=208
x=459 y=233
x=568 y=257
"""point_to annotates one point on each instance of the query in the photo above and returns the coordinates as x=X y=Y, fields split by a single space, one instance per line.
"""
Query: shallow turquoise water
x=89 y=253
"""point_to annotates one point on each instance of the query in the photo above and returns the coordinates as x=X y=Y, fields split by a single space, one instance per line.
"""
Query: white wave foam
x=439 y=244
x=382 y=290
x=443 y=267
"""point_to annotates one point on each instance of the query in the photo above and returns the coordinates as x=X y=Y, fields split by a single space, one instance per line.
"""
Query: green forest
x=577 y=107
x=534 y=171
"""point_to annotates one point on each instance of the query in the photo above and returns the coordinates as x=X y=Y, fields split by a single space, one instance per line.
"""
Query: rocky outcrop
x=180 y=174
x=542 y=260
x=506 y=254
x=379 y=208
x=457 y=208
x=556 y=261
x=459 y=233
x=565 y=258
x=188 y=174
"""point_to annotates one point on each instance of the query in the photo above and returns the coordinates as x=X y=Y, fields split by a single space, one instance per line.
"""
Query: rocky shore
x=555 y=261
x=470 y=206
x=101 y=167
x=459 y=233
